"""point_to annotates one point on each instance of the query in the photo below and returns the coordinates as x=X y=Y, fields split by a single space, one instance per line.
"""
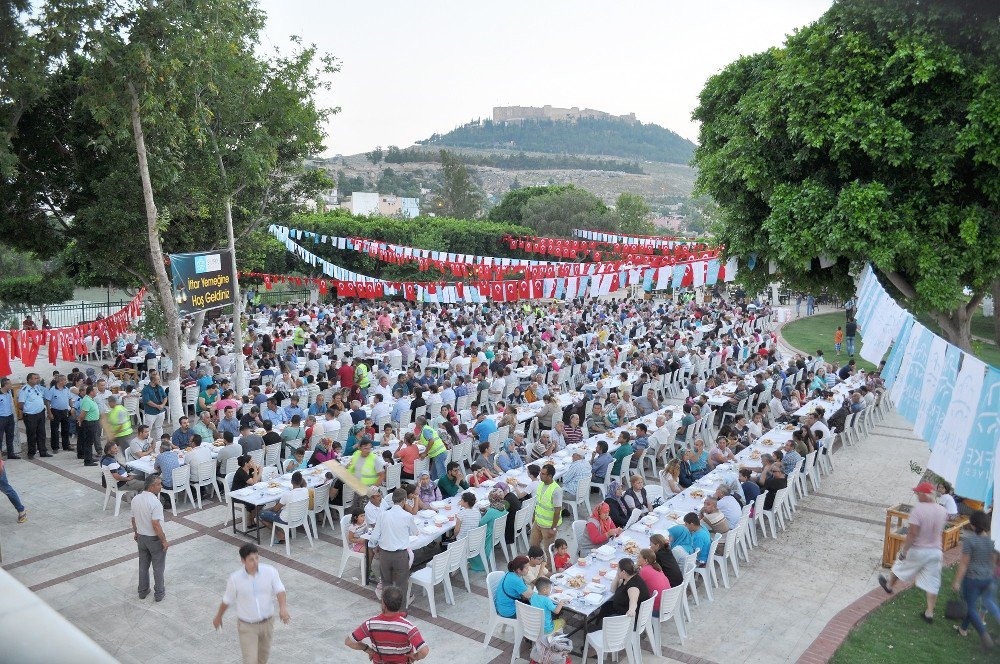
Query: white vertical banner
x=949 y=448
x=932 y=374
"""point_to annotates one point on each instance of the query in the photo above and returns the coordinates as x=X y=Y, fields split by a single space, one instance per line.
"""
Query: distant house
x=386 y=205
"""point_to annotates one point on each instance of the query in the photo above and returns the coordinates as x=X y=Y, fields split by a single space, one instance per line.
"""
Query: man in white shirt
x=299 y=492
x=666 y=432
x=383 y=388
x=377 y=505
x=819 y=430
x=380 y=409
x=391 y=538
x=252 y=590
x=147 y=530
x=778 y=413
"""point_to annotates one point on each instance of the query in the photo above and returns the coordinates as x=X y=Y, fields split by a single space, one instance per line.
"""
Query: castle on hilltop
x=547 y=112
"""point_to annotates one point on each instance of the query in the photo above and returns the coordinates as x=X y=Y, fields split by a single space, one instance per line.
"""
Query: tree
x=511 y=207
x=123 y=100
x=559 y=212
x=873 y=135
x=632 y=214
x=376 y=155
x=21 y=293
x=460 y=197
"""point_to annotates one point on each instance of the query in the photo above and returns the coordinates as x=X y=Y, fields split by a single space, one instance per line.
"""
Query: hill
x=585 y=136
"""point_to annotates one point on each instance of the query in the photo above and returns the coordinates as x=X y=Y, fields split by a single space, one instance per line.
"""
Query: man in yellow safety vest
x=120 y=423
x=367 y=466
x=548 y=509
x=434 y=449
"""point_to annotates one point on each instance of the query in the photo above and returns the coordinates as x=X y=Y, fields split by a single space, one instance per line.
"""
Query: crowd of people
x=383 y=384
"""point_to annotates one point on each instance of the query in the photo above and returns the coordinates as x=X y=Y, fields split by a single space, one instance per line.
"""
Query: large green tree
x=632 y=215
x=557 y=213
x=510 y=209
x=872 y=135
x=168 y=129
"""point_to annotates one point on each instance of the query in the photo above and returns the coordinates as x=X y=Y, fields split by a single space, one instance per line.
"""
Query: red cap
x=924 y=487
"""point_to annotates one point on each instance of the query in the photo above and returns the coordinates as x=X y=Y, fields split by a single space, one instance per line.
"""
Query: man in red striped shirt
x=394 y=639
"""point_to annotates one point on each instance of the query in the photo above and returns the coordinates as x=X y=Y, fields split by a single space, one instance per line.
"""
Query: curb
x=836 y=631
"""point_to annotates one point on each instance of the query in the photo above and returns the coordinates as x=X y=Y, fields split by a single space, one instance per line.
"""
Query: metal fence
x=278 y=297
x=59 y=315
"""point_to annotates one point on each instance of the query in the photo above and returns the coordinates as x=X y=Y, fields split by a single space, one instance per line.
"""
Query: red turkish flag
x=510 y=291
x=409 y=291
x=688 y=276
x=460 y=290
x=498 y=292
x=524 y=289
x=537 y=288
x=267 y=283
x=379 y=289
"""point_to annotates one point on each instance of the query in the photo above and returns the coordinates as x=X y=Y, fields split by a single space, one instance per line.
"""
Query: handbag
x=955 y=609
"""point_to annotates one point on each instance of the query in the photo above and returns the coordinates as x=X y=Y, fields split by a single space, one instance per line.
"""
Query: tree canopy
x=459 y=196
x=873 y=134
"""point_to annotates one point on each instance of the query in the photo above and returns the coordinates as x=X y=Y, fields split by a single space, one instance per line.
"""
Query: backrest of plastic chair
x=499 y=529
x=257 y=456
x=205 y=471
x=668 y=602
x=232 y=464
x=181 y=476
x=439 y=566
x=393 y=475
x=653 y=492
x=421 y=466
x=269 y=472
x=615 y=632
x=477 y=540
x=715 y=545
x=297 y=512
x=458 y=553
x=227 y=484
x=321 y=496
x=645 y=612
x=579 y=532
x=271 y=454
x=531 y=619
x=582 y=489
x=108 y=478
x=348 y=493
x=345 y=523
x=493 y=580
x=758 y=504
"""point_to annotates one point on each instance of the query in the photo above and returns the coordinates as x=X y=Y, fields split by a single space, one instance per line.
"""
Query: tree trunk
x=956 y=327
x=241 y=382
x=192 y=338
x=171 y=340
x=996 y=311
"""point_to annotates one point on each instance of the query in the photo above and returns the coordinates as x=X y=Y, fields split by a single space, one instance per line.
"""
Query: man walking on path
x=392 y=539
x=921 y=556
x=8 y=490
x=147 y=529
x=253 y=590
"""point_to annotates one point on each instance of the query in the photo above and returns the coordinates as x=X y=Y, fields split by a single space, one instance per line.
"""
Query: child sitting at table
x=542 y=601
x=536 y=564
x=297 y=462
x=561 y=557
x=356 y=530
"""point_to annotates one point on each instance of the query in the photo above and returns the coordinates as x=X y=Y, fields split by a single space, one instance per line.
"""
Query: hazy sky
x=412 y=68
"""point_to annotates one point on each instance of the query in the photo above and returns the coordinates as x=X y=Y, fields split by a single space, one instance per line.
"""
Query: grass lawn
x=894 y=633
x=816 y=332
x=981 y=327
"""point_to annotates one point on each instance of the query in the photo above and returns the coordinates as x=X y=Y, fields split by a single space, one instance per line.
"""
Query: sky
x=413 y=68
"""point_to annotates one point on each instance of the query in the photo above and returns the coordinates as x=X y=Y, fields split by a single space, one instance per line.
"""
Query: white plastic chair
x=613 y=637
x=431 y=575
x=581 y=498
x=297 y=516
x=477 y=546
x=670 y=609
x=272 y=454
x=729 y=553
x=346 y=506
x=644 y=623
x=258 y=457
x=321 y=505
x=493 y=580
x=458 y=561
x=241 y=509
x=758 y=517
x=181 y=478
x=707 y=573
x=347 y=553
x=393 y=476
x=775 y=515
x=530 y=625
x=203 y=475
x=579 y=528
x=499 y=537
x=112 y=487
x=522 y=518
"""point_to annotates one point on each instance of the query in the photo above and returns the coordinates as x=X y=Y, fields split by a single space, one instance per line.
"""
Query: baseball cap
x=924 y=487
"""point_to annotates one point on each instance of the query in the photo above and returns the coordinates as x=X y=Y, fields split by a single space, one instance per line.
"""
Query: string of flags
x=638 y=249
x=66 y=342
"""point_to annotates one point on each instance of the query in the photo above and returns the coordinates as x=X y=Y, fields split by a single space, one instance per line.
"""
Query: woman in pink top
x=407 y=454
x=654 y=577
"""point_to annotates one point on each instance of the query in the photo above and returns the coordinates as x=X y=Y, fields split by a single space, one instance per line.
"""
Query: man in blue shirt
x=272 y=412
x=7 y=418
x=154 y=405
x=293 y=409
x=57 y=400
x=318 y=409
x=32 y=400
x=167 y=460
x=229 y=422
x=181 y=437
x=600 y=461
x=484 y=427
x=402 y=405
x=692 y=535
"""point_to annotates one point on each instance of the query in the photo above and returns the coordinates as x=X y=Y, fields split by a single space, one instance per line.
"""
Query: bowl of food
x=582 y=562
x=273 y=485
x=697 y=493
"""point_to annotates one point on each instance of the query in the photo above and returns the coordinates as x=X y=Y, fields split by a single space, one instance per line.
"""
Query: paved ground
x=82 y=561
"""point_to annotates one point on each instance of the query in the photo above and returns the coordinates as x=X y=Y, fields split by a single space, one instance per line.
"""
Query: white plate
x=439 y=504
x=558 y=578
x=430 y=514
x=593 y=598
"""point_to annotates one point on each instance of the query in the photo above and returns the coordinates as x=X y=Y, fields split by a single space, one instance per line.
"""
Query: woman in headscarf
x=427 y=491
x=498 y=508
x=600 y=528
x=507 y=457
x=619 y=510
